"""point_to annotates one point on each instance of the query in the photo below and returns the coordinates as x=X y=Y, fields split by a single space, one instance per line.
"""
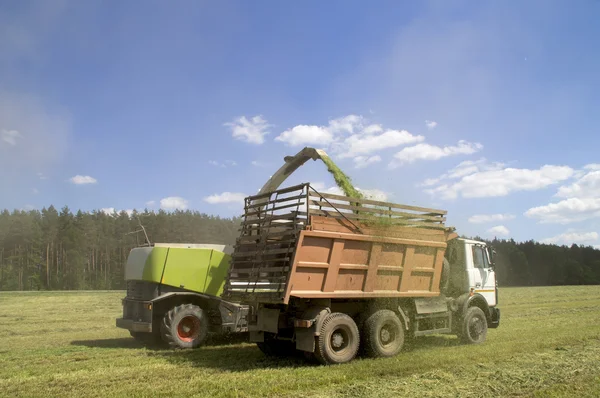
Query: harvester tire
x=184 y=326
x=383 y=334
x=474 y=326
x=338 y=341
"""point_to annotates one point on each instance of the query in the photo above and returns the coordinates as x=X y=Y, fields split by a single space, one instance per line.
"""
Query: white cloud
x=10 y=136
x=593 y=166
x=363 y=161
x=303 y=135
x=226 y=197
x=432 y=152
x=41 y=176
x=431 y=124
x=347 y=124
x=566 y=211
x=348 y=136
x=150 y=203
x=483 y=218
x=581 y=200
x=374 y=194
x=572 y=237
x=111 y=211
x=249 y=130
x=173 y=203
x=35 y=191
x=256 y=163
x=499 y=230
x=464 y=168
x=586 y=186
x=369 y=142
x=501 y=182
x=224 y=164
x=80 y=180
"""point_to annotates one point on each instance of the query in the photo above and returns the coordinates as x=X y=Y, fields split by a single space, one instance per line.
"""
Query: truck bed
x=297 y=242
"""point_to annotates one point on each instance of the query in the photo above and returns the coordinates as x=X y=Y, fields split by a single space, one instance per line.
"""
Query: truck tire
x=474 y=326
x=184 y=326
x=338 y=341
x=383 y=334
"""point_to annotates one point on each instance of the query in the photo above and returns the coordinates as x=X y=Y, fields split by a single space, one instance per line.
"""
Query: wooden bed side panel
x=334 y=264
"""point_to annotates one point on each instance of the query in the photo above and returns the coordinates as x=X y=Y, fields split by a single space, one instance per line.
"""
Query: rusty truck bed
x=298 y=242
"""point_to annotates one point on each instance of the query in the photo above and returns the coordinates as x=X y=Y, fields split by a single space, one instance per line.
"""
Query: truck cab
x=472 y=276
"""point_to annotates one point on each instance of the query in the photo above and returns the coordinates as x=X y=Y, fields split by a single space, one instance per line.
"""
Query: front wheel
x=184 y=326
x=474 y=326
x=338 y=341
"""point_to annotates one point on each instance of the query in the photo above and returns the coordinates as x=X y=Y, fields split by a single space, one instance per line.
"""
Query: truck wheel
x=338 y=341
x=474 y=326
x=383 y=334
x=184 y=326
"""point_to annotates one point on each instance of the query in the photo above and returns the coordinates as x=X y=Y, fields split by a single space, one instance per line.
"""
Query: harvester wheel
x=474 y=326
x=338 y=340
x=184 y=326
x=383 y=334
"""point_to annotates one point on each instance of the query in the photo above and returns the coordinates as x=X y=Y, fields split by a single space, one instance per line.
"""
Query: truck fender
x=307 y=327
x=467 y=300
x=404 y=317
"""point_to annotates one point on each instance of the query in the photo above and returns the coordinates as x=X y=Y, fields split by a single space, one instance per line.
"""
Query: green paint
x=155 y=262
x=197 y=270
x=341 y=179
x=187 y=268
x=215 y=280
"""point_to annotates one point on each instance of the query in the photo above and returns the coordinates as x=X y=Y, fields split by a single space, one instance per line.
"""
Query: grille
x=141 y=290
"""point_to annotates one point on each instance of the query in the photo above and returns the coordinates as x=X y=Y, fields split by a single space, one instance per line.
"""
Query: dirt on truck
x=334 y=276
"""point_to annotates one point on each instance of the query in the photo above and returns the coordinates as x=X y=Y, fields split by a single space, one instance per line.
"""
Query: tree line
x=62 y=250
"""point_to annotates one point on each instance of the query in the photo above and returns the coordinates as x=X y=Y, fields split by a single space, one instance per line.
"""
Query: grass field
x=65 y=344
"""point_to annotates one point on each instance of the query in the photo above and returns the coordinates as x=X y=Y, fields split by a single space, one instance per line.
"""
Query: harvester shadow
x=131 y=343
x=234 y=358
x=123 y=343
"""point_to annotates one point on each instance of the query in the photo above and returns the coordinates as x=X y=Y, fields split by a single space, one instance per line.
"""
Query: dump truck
x=174 y=295
x=333 y=276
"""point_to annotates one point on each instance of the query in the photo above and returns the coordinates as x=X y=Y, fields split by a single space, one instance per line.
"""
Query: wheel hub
x=337 y=340
x=385 y=335
x=188 y=328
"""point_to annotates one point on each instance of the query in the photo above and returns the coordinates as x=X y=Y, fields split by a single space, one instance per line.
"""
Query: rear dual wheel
x=383 y=334
x=184 y=326
x=338 y=340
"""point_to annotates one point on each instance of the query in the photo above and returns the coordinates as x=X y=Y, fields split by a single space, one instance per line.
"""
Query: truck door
x=482 y=278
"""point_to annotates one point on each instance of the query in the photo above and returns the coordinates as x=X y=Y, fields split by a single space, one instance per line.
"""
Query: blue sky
x=485 y=109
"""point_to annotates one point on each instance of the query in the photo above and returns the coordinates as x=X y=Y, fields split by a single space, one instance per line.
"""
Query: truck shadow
x=234 y=353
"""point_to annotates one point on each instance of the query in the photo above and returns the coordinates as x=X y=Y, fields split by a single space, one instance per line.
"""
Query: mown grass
x=65 y=344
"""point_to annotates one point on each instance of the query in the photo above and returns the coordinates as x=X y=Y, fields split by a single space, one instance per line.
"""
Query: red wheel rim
x=188 y=328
